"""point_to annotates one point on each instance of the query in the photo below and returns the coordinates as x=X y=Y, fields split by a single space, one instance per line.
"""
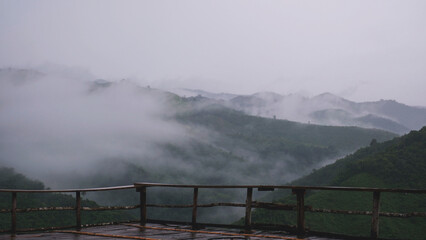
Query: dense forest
x=398 y=163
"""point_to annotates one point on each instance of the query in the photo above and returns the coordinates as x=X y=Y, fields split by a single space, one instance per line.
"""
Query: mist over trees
x=324 y=109
x=72 y=130
x=60 y=124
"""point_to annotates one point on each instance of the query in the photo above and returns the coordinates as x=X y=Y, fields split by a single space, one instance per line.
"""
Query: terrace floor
x=155 y=231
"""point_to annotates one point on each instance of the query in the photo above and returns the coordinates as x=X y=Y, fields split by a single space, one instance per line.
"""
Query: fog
x=63 y=127
x=70 y=129
x=55 y=124
x=360 y=50
x=84 y=109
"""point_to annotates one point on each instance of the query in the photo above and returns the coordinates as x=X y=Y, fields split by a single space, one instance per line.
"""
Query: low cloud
x=55 y=124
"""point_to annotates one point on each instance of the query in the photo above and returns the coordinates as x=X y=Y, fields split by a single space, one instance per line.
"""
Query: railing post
x=300 y=195
x=78 y=210
x=375 y=215
x=13 y=230
x=142 y=200
x=248 y=209
x=194 y=208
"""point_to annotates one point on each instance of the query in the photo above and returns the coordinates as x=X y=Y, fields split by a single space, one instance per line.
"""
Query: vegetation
x=9 y=179
x=224 y=147
x=399 y=163
x=237 y=149
x=263 y=144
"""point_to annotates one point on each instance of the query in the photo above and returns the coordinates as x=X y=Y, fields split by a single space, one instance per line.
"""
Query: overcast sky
x=361 y=50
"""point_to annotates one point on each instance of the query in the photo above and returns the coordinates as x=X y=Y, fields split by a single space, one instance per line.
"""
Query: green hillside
x=9 y=179
x=218 y=146
x=227 y=147
x=399 y=163
x=264 y=143
x=251 y=128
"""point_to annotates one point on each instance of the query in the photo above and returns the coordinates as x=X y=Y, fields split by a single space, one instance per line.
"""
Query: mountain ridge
x=388 y=114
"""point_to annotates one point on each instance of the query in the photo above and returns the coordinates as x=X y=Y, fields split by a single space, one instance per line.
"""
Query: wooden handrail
x=77 y=192
x=299 y=191
x=333 y=188
x=68 y=190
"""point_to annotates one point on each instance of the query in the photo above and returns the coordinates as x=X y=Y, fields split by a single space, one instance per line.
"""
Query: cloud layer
x=361 y=50
x=56 y=124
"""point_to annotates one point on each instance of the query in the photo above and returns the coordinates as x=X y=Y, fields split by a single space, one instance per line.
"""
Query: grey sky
x=361 y=50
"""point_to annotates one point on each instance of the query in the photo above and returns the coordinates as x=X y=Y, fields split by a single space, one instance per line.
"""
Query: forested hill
x=398 y=163
x=239 y=125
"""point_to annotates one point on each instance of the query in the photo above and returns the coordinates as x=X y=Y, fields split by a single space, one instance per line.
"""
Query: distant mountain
x=398 y=163
x=329 y=109
x=324 y=109
x=118 y=132
x=19 y=76
x=232 y=144
x=185 y=92
x=341 y=117
x=232 y=148
x=371 y=120
x=209 y=131
x=413 y=118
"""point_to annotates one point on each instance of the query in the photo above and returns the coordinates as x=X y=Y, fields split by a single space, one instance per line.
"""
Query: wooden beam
x=14 y=203
x=142 y=200
x=300 y=195
x=248 y=210
x=375 y=215
x=356 y=189
x=78 y=210
x=265 y=189
x=194 y=208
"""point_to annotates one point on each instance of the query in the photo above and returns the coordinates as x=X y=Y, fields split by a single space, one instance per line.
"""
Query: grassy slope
x=399 y=163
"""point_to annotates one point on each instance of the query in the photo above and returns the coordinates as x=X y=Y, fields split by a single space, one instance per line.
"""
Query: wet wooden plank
x=124 y=230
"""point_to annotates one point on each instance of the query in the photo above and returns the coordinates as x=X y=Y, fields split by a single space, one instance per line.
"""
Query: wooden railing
x=249 y=204
x=300 y=207
x=78 y=208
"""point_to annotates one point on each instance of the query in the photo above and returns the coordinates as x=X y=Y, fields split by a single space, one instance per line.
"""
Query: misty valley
x=65 y=130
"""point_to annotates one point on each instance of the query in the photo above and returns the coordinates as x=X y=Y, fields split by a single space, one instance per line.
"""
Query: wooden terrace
x=156 y=232
x=148 y=228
